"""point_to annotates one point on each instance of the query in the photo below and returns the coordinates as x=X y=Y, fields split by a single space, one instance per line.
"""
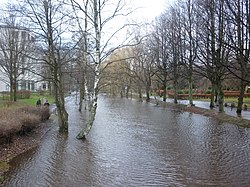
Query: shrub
x=20 y=120
x=23 y=94
x=208 y=92
x=180 y=92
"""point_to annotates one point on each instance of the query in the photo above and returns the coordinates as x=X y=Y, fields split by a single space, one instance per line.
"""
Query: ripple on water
x=136 y=144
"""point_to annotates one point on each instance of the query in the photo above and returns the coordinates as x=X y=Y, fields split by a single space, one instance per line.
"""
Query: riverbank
x=223 y=117
x=20 y=130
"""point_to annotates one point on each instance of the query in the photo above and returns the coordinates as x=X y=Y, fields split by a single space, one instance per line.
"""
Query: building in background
x=19 y=59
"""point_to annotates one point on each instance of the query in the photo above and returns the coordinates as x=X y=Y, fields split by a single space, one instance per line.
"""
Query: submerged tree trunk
x=220 y=97
x=140 y=94
x=165 y=93
x=241 y=98
x=91 y=117
x=56 y=66
x=190 y=91
x=147 y=94
x=97 y=26
x=60 y=102
x=175 y=91
x=212 y=96
x=82 y=88
x=81 y=97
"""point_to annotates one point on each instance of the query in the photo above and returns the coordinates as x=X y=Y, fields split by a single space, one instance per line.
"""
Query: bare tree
x=238 y=17
x=97 y=20
x=175 y=42
x=190 y=45
x=49 y=22
x=16 y=45
x=161 y=47
x=212 y=52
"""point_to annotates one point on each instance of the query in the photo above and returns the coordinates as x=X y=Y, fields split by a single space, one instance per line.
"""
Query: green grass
x=31 y=101
x=34 y=97
x=229 y=100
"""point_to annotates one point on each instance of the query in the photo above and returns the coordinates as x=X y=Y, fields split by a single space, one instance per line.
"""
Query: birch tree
x=98 y=20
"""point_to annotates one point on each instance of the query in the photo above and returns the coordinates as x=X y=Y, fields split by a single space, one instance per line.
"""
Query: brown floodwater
x=137 y=144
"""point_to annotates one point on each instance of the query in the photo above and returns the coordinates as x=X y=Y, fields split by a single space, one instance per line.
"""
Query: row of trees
x=69 y=44
x=194 y=38
x=73 y=41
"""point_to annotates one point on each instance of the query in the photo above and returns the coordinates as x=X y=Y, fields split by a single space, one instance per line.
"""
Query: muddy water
x=138 y=144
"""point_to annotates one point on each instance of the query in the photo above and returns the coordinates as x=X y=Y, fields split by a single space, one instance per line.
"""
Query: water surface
x=137 y=144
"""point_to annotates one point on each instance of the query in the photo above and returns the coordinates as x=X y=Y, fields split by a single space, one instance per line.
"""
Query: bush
x=208 y=92
x=23 y=94
x=180 y=92
x=20 y=120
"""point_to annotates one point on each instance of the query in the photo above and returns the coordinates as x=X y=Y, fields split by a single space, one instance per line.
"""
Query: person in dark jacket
x=38 y=103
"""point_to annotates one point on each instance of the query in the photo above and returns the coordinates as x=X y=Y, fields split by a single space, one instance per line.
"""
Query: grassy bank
x=31 y=101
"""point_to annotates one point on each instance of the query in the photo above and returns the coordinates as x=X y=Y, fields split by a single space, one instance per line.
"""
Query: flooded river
x=137 y=144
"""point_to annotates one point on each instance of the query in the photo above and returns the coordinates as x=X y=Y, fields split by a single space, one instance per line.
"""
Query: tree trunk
x=11 y=89
x=190 y=91
x=91 y=117
x=165 y=89
x=241 y=98
x=60 y=102
x=165 y=94
x=127 y=91
x=121 y=92
x=85 y=131
x=140 y=94
x=14 y=89
x=82 y=91
x=81 y=97
x=147 y=94
x=220 y=97
x=212 y=96
x=175 y=92
x=83 y=66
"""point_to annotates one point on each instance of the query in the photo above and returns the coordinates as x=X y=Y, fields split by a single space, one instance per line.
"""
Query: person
x=46 y=103
x=38 y=103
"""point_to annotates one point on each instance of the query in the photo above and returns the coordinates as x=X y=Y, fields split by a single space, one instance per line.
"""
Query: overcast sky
x=148 y=10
